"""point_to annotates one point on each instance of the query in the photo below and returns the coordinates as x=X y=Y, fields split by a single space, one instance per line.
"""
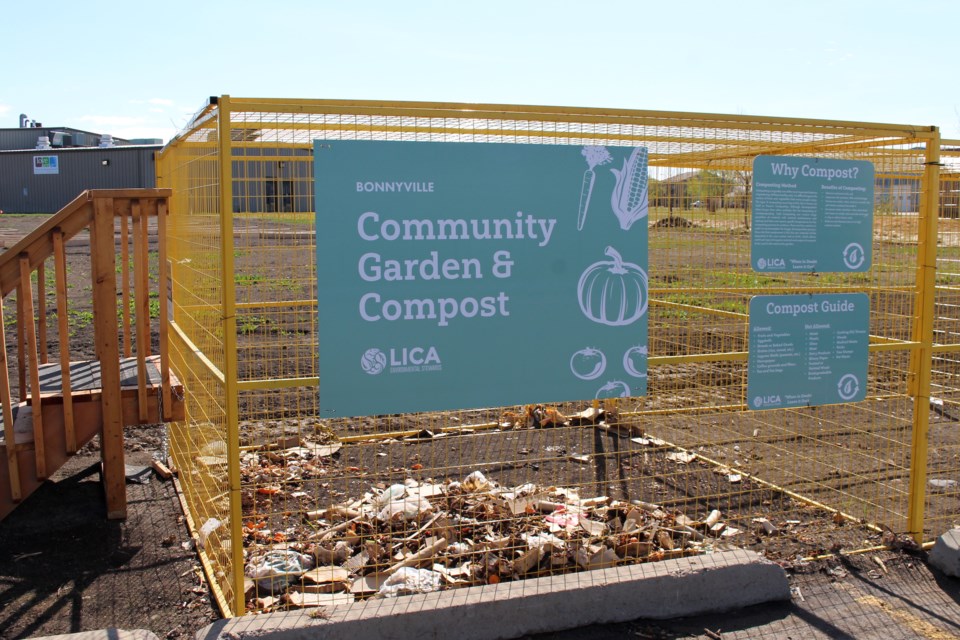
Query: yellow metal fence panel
x=690 y=447
x=943 y=469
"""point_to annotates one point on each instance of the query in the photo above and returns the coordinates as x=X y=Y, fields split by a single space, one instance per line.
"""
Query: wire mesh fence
x=312 y=509
x=943 y=493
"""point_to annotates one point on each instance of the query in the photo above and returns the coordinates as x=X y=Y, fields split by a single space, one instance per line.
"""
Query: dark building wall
x=272 y=180
x=24 y=191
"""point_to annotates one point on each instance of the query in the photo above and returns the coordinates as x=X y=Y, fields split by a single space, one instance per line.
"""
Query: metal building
x=44 y=168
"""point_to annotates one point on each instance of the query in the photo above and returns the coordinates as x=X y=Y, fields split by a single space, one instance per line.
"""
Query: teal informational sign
x=459 y=275
x=808 y=350
x=811 y=214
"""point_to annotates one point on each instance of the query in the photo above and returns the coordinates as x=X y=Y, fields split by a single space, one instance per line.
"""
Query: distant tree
x=738 y=195
x=705 y=185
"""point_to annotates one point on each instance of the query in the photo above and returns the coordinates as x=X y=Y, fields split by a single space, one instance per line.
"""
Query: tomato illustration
x=588 y=363
x=613 y=389
x=635 y=361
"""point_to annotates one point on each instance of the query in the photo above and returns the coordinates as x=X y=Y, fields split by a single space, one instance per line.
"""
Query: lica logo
x=416 y=356
x=373 y=361
x=771 y=263
x=766 y=401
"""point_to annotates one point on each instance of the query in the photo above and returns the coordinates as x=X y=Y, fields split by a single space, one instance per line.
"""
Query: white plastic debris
x=476 y=481
x=208 y=527
x=408 y=580
x=408 y=508
x=391 y=493
x=277 y=569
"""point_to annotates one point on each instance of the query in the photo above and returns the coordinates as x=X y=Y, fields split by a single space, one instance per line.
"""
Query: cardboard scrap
x=681 y=457
x=367 y=584
x=322 y=575
x=304 y=600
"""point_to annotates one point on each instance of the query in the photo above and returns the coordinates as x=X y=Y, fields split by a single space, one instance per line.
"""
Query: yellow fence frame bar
x=921 y=361
x=579 y=115
x=231 y=400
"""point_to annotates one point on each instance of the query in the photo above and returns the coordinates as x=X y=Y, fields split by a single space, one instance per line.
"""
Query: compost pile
x=422 y=536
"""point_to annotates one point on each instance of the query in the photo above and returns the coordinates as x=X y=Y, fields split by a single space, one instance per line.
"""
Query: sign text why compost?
x=456 y=275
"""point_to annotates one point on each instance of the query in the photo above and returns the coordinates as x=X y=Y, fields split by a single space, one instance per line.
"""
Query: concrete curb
x=658 y=590
x=103 y=634
x=945 y=554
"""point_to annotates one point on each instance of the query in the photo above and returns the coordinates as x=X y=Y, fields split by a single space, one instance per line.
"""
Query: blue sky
x=141 y=69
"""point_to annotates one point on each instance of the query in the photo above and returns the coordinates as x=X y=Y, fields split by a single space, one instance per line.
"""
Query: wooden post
x=27 y=290
x=141 y=303
x=149 y=208
x=13 y=466
x=108 y=350
x=125 y=284
x=166 y=311
x=21 y=346
x=42 y=310
x=60 y=271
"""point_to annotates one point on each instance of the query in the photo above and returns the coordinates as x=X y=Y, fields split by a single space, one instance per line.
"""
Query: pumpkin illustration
x=613 y=292
x=613 y=389
x=588 y=363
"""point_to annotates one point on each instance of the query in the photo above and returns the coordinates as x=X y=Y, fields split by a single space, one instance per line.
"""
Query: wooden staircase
x=63 y=404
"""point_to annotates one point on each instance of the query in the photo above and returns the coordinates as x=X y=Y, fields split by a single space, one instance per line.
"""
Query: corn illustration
x=595 y=156
x=629 y=199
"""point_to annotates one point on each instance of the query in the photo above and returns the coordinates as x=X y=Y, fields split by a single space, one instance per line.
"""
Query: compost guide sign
x=459 y=275
x=807 y=350
x=811 y=214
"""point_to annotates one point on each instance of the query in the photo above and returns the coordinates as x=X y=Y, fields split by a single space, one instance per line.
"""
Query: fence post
x=922 y=360
x=228 y=303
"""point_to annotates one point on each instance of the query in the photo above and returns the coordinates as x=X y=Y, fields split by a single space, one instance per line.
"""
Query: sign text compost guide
x=458 y=275
x=808 y=350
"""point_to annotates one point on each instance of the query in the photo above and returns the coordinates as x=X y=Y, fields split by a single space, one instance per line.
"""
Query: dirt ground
x=65 y=568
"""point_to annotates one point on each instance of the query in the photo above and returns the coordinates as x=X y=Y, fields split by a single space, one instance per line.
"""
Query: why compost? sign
x=459 y=275
x=811 y=214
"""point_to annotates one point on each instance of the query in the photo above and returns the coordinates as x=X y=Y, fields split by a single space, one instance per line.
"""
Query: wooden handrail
x=97 y=212
x=72 y=219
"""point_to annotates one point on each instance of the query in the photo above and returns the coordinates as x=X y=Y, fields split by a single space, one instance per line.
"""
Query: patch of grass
x=153 y=306
x=250 y=324
x=284 y=284
x=78 y=320
x=301 y=218
x=698 y=300
x=247 y=279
